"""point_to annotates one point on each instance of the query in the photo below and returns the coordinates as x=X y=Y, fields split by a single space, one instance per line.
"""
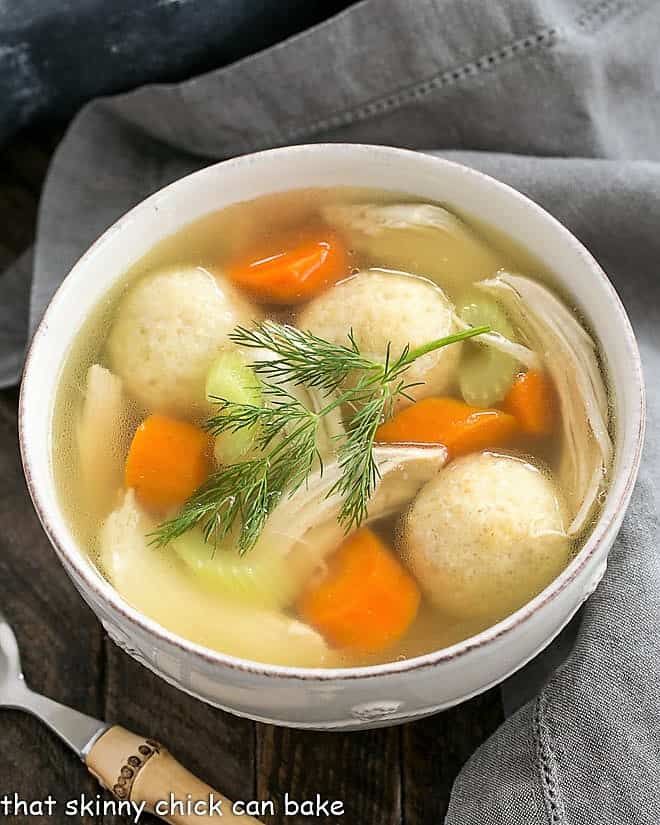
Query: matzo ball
x=168 y=329
x=486 y=535
x=382 y=307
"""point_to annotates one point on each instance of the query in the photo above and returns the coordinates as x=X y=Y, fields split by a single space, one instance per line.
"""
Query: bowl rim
x=606 y=527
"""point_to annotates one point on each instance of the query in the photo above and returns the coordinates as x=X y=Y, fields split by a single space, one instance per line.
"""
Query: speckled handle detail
x=134 y=764
x=139 y=770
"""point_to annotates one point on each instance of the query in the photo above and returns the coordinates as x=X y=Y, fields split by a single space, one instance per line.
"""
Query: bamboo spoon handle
x=141 y=770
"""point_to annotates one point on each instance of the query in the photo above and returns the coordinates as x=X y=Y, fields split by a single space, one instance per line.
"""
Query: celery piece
x=485 y=373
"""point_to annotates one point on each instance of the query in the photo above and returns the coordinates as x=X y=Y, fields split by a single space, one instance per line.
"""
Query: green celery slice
x=485 y=374
x=230 y=377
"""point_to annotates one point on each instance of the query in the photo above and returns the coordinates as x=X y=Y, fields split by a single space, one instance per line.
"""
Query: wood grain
x=59 y=638
x=361 y=769
x=435 y=749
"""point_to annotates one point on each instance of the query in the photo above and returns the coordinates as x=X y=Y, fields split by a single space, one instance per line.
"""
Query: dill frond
x=359 y=471
x=302 y=357
x=233 y=493
x=243 y=495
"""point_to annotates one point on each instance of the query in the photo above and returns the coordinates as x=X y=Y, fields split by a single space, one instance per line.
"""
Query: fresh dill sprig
x=282 y=410
x=382 y=385
x=248 y=492
x=286 y=430
x=359 y=470
x=302 y=357
x=238 y=491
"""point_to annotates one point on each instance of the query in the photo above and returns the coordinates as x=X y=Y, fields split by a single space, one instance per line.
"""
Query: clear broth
x=162 y=589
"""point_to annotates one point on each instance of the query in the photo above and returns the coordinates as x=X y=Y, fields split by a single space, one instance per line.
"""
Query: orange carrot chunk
x=367 y=599
x=532 y=402
x=461 y=428
x=167 y=461
x=291 y=275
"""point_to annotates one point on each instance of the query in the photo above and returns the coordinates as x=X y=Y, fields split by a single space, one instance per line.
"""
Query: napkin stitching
x=540 y=39
x=543 y=38
x=601 y=12
x=547 y=757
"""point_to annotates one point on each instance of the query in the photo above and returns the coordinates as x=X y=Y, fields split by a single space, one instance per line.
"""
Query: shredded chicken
x=306 y=527
x=148 y=580
x=570 y=356
x=408 y=236
x=99 y=438
x=518 y=351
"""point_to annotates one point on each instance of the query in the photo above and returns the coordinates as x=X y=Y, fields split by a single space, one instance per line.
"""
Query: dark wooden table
x=384 y=777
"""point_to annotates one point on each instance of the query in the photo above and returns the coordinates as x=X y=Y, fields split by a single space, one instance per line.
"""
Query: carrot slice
x=286 y=274
x=367 y=599
x=533 y=403
x=167 y=461
x=461 y=428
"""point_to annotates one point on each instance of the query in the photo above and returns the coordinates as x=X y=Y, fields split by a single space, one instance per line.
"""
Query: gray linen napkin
x=558 y=98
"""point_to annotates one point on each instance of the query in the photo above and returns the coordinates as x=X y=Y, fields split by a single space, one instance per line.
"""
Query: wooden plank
x=218 y=747
x=59 y=638
x=61 y=641
x=435 y=749
x=359 y=769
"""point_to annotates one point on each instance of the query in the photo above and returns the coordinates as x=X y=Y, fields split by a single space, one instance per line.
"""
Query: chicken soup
x=332 y=428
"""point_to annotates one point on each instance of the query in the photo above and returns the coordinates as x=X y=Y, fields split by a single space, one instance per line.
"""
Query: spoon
x=135 y=769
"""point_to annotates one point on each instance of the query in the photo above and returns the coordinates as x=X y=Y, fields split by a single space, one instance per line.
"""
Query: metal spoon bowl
x=76 y=729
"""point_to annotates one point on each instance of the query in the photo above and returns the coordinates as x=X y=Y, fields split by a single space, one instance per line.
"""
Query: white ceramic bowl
x=357 y=697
